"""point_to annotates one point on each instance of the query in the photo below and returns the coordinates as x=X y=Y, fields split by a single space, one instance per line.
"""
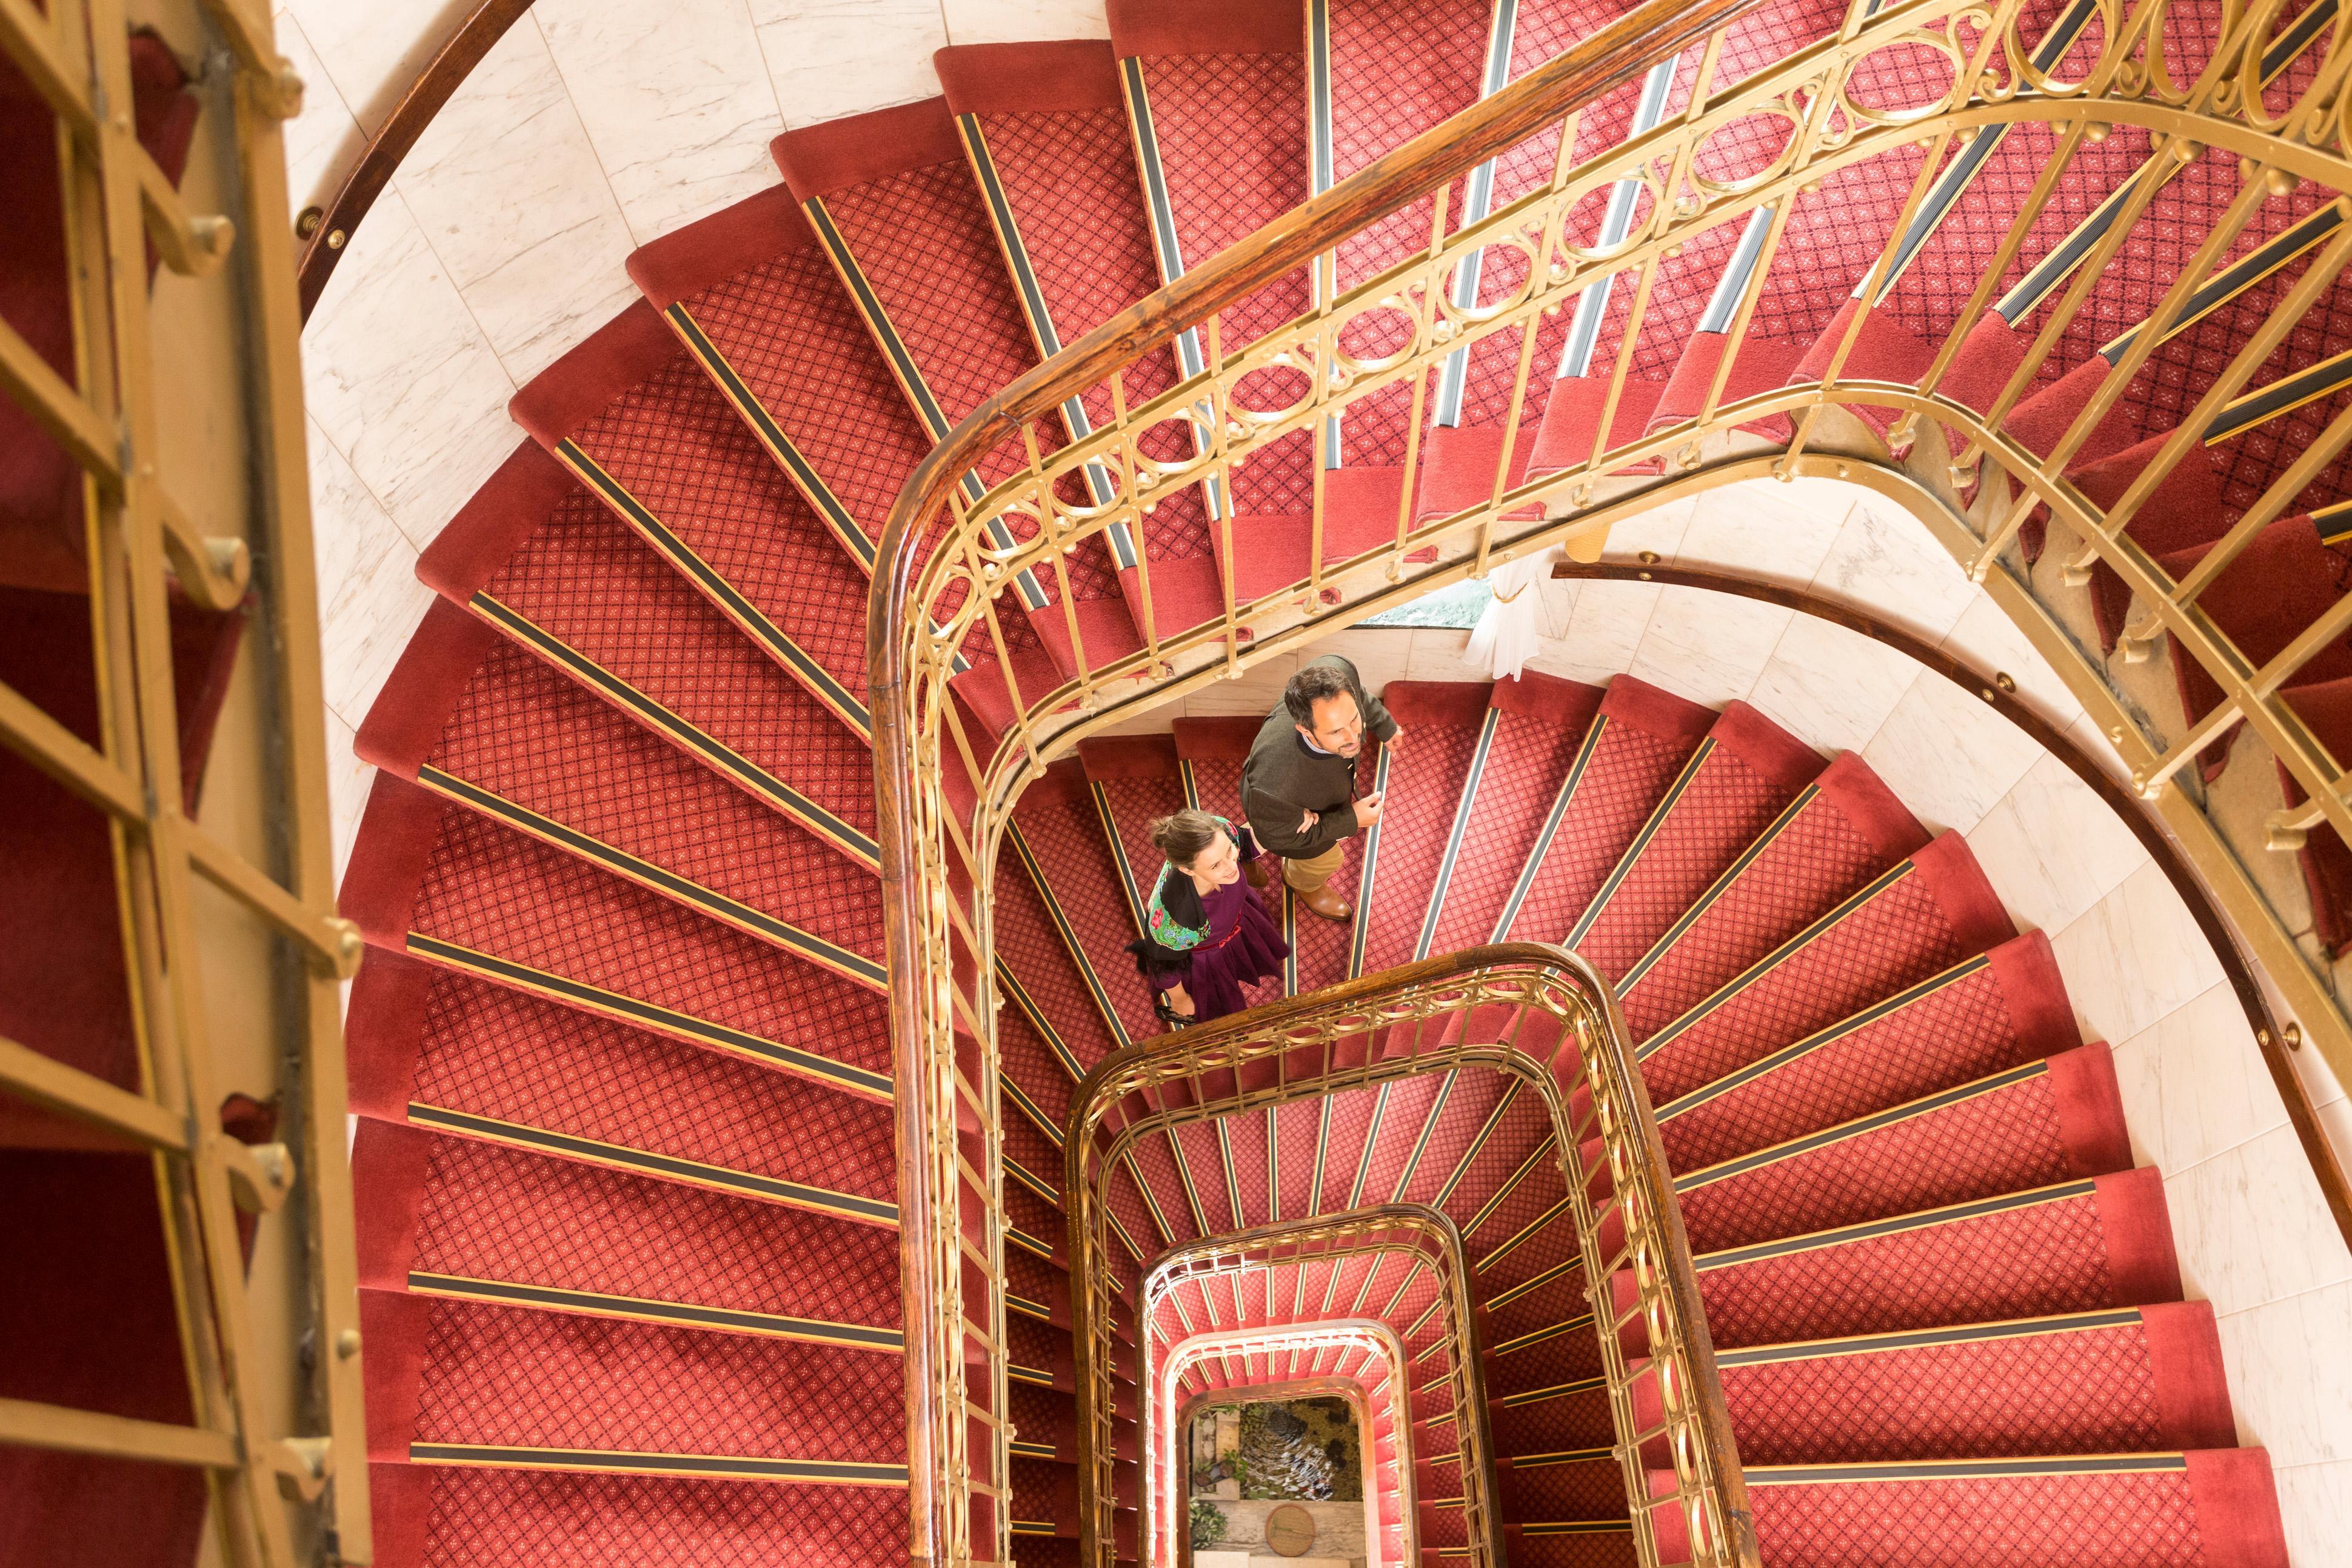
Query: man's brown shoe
x=1259 y=876
x=1327 y=903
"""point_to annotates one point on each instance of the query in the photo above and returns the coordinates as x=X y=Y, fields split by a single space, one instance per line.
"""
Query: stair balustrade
x=1005 y=500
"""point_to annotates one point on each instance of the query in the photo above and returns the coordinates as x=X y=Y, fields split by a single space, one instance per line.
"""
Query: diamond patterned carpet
x=654 y=815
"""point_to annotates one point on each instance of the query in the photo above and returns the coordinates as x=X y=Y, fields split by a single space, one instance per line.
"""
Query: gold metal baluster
x=1127 y=458
x=1530 y=328
x=1425 y=321
x=1021 y=719
x=2193 y=274
x=1866 y=301
x=1221 y=467
x=1620 y=371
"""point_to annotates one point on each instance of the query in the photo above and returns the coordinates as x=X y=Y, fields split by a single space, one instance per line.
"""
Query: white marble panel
x=348 y=782
x=676 y=98
x=1019 y=21
x=369 y=598
x=400 y=377
x=1761 y=529
x=2084 y=734
x=1884 y=559
x=1435 y=654
x=1256 y=692
x=1603 y=631
x=2194 y=1084
x=1658 y=530
x=832 y=58
x=2133 y=957
x=324 y=139
x=1708 y=647
x=2315 y=1505
x=2053 y=848
x=2290 y=1365
x=1559 y=600
x=1832 y=687
x=1948 y=755
x=1990 y=643
x=514 y=202
x=373 y=51
x=2318 y=1082
x=2251 y=1226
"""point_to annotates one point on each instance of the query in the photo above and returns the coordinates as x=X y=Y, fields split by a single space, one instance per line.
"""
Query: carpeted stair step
x=435 y=1514
x=634 y=417
x=892 y=196
x=1741 y=776
x=1057 y=834
x=1557 y=1355
x=1538 y=1247
x=461 y=1381
x=1192 y=71
x=443 y=885
x=1983 y=1014
x=1045 y=126
x=1431 y=787
x=1842 y=831
x=1551 y=1296
x=1044 y=1500
x=2326 y=709
x=2127 y=1380
x=1918 y=918
x=536 y=554
x=1059 y=1015
x=455 y=1216
x=1133 y=781
x=1604 y=1543
x=1541 y=726
x=2125 y=1510
x=2073 y=1246
x=1546 y=1420
x=2057 y=1120
x=1763 y=365
x=1639 y=741
x=2288 y=576
x=438 y=1047
x=1578 y=1484
x=480 y=722
x=1572 y=420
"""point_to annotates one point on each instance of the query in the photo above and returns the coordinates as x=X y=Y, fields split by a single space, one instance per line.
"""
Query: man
x=1298 y=786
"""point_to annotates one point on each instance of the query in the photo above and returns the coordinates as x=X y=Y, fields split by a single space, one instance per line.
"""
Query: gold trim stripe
x=1525 y=1168
x=1696 y=910
x=1461 y=810
x=1624 y=867
x=1462 y=1166
x=1740 y=1165
x=1870 y=1229
x=1927 y=1339
x=670 y=1314
x=628 y=1010
x=689 y=1467
x=1550 y=831
x=661 y=1167
x=1540 y=1336
x=1963 y=1469
x=758 y=923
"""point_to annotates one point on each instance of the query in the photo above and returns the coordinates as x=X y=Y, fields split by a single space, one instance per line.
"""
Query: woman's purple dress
x=1244 y=946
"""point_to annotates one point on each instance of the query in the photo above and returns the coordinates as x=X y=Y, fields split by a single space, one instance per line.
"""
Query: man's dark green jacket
x=1284 y=778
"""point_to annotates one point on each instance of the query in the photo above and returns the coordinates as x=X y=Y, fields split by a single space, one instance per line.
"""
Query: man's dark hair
x=1311 y=686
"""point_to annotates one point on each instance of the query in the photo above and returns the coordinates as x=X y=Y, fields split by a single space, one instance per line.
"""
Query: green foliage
x=1208 y=1523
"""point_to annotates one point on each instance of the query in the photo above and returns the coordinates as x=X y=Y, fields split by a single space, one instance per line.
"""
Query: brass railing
x=954 y=546
x=1425 y=1236
x=1535 y=1013
x=1376 y=1342
x=235 y=920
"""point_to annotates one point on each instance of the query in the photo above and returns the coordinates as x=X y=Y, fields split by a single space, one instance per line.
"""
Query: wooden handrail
x=2326 y=1164
x=340 y=219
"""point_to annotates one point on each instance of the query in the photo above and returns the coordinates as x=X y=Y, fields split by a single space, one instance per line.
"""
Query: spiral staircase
x=723 y=1126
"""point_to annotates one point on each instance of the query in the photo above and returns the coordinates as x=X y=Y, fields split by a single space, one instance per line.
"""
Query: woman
x=1207 y=935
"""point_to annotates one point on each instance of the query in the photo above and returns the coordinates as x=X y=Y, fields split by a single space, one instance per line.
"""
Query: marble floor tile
x=1947 y=755
x=348 y=782
x=513 y=200
x=2315 y=1506
x=1256 y=692
x=1559 y=597
x=324 y=139
x=1708 y=647
x=2251 y=1227
x=369 y=598
x=1603 y=630
x=1831 y=686
x=2290 y=1366
x=373 y=51
x=676 y=100
x=832 y=58
x=1884 y=560
x=1760 y=529
x=1436 y=654
x=1988 y=641
x=401 y=379
x=2133 y=957
x=1018 y=21
x=2053 y=848
x=2194 y=1084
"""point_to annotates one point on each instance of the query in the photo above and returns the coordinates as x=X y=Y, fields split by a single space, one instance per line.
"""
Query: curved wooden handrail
x=340 y=219
x=2327 y=1165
